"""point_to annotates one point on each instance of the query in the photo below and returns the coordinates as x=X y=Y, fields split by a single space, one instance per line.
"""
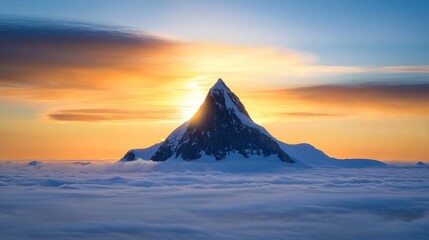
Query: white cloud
x=108 y=201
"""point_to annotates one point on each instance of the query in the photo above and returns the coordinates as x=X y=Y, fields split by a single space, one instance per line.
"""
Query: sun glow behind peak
x=192 y=98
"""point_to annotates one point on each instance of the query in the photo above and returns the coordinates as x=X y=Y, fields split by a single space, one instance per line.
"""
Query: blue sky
x=359 y=33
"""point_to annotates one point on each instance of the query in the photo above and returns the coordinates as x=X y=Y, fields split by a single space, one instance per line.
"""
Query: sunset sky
x=93 y=79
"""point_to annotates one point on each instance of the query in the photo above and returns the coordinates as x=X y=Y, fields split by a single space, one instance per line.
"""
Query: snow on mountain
x=314 y=157
x=233 y=103
x=144 y=153
x=222 y=129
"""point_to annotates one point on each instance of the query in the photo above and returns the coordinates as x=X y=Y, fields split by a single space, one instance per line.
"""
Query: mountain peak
x=223 y=96
x=219 y=85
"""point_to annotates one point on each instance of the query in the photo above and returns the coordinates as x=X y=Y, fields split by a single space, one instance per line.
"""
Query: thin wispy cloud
x=310 y=114
x=405 y=69
x=101 y=115
x=400 y=98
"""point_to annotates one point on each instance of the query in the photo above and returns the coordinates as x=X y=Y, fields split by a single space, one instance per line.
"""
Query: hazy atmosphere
x=89 y=80
x=226 y=119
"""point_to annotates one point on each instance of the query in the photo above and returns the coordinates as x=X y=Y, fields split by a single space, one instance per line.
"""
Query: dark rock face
x=165 y=151
x=220 y=127
x=130 y=156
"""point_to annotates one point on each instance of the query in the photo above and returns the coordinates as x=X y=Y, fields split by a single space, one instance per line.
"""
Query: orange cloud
x=406 y=69
x=353 y=99
x=99 y=115
x=310 y=114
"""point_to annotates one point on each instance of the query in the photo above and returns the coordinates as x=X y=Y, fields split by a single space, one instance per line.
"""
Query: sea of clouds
x=77 y=200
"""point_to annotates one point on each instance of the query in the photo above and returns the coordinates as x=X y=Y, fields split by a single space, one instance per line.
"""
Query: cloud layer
x=131 y=201
x=55 y=54
x=78 y=67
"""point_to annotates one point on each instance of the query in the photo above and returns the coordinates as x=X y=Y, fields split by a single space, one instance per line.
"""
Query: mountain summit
x=223 y=129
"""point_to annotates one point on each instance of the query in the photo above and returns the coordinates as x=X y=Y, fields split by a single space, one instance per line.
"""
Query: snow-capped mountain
x=222 y=129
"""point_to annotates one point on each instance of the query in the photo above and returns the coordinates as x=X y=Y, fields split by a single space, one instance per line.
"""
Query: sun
x=191 y=101
x=190 y=105
x=187 y=113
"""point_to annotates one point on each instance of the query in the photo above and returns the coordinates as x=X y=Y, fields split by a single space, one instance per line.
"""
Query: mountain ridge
x=222 y=129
